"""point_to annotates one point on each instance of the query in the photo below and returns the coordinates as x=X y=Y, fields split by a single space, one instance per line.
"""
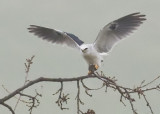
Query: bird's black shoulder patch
x=75 y=38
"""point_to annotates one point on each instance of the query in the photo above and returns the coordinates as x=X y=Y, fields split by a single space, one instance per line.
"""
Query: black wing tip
x=34 y=26
x=138 y=15
x=31 y=27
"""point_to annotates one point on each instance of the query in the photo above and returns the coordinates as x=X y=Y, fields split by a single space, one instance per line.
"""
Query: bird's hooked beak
x=84 y=50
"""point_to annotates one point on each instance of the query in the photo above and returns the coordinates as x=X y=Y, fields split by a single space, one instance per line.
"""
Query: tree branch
x=41 y=79
x=124 y=92
x=9 y=107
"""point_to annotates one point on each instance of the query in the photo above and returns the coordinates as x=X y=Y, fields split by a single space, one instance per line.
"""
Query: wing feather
x=56 y=36
x=113 y=32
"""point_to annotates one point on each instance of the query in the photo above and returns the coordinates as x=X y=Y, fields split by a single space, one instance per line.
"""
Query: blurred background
x=131 y=61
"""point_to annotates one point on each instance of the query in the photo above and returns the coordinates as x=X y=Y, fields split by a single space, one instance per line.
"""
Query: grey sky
x=131 y=61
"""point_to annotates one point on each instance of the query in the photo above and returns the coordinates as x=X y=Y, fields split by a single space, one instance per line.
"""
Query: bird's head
x=85 y=48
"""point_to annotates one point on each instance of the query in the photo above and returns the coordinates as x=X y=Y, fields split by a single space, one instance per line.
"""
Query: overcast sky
x=131 y=61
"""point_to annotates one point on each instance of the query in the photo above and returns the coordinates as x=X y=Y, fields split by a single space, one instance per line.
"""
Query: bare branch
x=34 y=101
x=9 y=107
x=124 y=92
x=150 y=82
x=78 y=99
x=62 y=98
x=27 y=69
x=87 y=88
x=28 y=64
x=42 y=79
x=144 y=96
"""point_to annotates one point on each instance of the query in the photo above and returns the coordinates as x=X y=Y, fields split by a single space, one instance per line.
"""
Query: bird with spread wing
x=107 y=38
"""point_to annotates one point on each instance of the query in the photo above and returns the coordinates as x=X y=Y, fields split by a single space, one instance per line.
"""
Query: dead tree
x=125 y=93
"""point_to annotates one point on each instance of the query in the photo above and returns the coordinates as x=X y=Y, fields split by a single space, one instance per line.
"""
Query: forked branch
x=126 y=93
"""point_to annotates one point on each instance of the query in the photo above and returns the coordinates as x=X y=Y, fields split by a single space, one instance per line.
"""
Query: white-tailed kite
x=107 y=38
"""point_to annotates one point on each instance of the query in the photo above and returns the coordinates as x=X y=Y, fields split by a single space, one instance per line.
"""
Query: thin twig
x=87 y=88
x=27 y=69
x=78 y=99
x=62 y=97
x=144 y=96
x=150 y=82
x=34 y=102
x=131 y=102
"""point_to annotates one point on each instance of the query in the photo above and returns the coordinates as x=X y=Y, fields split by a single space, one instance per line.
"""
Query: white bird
x=107 y=38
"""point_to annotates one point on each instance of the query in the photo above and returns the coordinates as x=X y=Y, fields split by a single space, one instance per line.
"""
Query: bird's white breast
x=91 y=55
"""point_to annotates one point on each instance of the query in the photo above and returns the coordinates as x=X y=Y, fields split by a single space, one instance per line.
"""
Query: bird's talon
x=96 y=66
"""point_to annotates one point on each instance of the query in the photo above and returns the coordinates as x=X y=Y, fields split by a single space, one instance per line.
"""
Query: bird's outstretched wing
x=56 y=36
x=112 y=33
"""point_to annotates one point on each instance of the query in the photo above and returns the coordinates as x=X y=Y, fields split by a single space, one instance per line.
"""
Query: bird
x=107 y=38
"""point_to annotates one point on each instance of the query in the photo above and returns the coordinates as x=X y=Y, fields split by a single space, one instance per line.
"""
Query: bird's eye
x=85 y=48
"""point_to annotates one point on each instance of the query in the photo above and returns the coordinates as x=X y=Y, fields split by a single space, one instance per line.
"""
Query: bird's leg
x=90 y=72
x=92 y=68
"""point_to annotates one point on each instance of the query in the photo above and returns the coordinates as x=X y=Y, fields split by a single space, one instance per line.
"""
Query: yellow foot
x=96 y=66
x=92 y=68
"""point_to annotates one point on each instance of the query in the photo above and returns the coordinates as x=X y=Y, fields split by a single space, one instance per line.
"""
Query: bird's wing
x=117 y=30
x=56 y=36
